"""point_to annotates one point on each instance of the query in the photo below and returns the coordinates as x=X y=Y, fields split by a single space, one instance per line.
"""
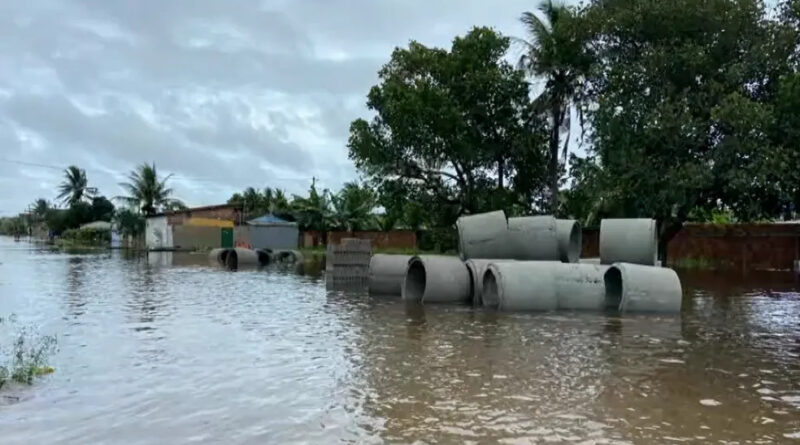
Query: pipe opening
x=472 y=282
x=613 y=283
x=231 y=259
x=264 y=256
x=415 y=281
x=491 y=291
x=575 y=244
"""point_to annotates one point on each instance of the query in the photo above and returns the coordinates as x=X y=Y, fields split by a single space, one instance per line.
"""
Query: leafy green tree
x=75 y=187
x=147 y=192
x=684 y=95
x=313 y=212
x=40 y=209
x=453 y=129
x=129 y=223
x=102 y=209
x=555 y=53
x=353 y=207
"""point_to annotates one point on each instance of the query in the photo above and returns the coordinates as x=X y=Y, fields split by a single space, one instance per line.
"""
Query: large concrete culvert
x=533 y=238
x=637 y=288
x=436 y=279
x=477 y=269
x=483 y=236
x=570 y=240
x=520 y=286
x=632 y=241
x=386 y=274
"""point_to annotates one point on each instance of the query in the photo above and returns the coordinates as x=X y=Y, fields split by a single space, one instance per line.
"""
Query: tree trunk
x=556 y=114
x=667 y=231
x=500 y=173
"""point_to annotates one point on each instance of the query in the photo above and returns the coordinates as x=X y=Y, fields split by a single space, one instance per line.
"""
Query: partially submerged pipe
x=436 y=279
x=241 y=257
x=533 y=238
x=477 y=268
x=288 y=256
x=218 y=257
x=570 y=239
x=580 y=286
x=386 y=274
x=637 y=288
x=483 y=236
x=632 y=241
x=520 y=286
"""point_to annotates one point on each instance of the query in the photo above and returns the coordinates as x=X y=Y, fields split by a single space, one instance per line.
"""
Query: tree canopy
x=147 y=192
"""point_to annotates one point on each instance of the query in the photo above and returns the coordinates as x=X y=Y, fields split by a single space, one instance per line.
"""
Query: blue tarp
x=269 y=218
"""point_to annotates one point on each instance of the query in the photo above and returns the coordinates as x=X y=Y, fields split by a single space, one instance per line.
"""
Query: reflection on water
x=166 y=349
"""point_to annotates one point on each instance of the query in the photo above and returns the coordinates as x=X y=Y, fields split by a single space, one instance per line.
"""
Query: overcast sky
x=223 y=94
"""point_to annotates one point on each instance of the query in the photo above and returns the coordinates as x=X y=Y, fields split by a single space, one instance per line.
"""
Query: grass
x=27 y=357
x=699 y=263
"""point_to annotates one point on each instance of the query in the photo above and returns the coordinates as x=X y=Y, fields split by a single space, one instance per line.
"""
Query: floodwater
x=164 y=349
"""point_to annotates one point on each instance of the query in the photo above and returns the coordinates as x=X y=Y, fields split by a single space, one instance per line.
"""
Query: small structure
x=347 y=264
x=193 y=229
x=267 y=232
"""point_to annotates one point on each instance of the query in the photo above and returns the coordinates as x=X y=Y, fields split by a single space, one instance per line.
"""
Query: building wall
x=158 y=235
x=399 y=239
x=725 y=246
x=266 y=237
x=227 y=213
x=196 y=237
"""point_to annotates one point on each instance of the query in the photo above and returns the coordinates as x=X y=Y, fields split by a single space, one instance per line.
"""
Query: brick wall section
x=396 y=239
x=727 y=246
x=229 y=213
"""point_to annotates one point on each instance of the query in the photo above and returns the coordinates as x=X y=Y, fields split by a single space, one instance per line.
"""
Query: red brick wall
x=400 y=239
x=738 y=246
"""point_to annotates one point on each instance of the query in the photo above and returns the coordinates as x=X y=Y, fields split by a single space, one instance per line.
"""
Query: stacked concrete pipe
x=483 y=236
x=386 y=274
x=628 y=241
x=637 y=288
x=477 y=268
x=520 y=286
x=436 y=279
x=533 y=238
x=570 y=240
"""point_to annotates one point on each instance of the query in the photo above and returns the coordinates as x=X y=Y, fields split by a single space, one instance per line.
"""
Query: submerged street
x=164 y=348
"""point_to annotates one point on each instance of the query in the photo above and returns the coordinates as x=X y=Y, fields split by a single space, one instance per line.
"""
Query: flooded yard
x=165 y=349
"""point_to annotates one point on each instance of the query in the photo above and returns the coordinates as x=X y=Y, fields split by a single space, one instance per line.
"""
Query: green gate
x=227 y=237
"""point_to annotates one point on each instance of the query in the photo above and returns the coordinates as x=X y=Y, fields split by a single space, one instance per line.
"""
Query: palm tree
x=313 y=212
x=75 y=186
x=40 y=209
x=147 y=192
x=555 y=54
x=353 y=207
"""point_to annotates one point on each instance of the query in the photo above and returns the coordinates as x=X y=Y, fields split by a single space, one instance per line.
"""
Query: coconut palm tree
x=147 y=192
x=314 y=212
x=555 y=54
x=75 y=186
x=353 y=207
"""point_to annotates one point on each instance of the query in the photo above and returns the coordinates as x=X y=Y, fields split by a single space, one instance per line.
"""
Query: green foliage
x=685 y=95
x=147 y=192
x=453 y=129
x=255 y=203
x=129 y=223
x=556 y=54
x=86 y=237
x=75 y=187
x=14 y=226
x=313 y=212
x=353 y=208
x=26 y=357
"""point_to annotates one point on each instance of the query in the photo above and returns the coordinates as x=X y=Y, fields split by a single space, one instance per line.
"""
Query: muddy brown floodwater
x=164 y=349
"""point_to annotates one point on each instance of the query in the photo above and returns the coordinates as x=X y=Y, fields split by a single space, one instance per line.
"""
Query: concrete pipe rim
x=614 y=281
x=492 y=291
x=415 y=281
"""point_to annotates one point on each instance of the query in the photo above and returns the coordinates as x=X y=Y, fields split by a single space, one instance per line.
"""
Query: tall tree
x=313 y=212
x=453 y=129
x=353 y=207
x=684 y=122
x=555 y=53
x=75 y=186
x=147 y=192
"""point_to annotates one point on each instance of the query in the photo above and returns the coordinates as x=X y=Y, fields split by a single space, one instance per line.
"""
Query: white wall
x=158 y=234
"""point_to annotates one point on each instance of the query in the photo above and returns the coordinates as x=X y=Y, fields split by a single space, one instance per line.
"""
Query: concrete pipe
x=637 y=288
x=436 y=279
x=570 y=239
x=241 y=257
x=580 y=286
x=386 y=274
x=483 y=236
x=477 y=268
x=628 y=241
x=288 y=256
x=520 y=286
x=533 y=238
x=218 y=257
